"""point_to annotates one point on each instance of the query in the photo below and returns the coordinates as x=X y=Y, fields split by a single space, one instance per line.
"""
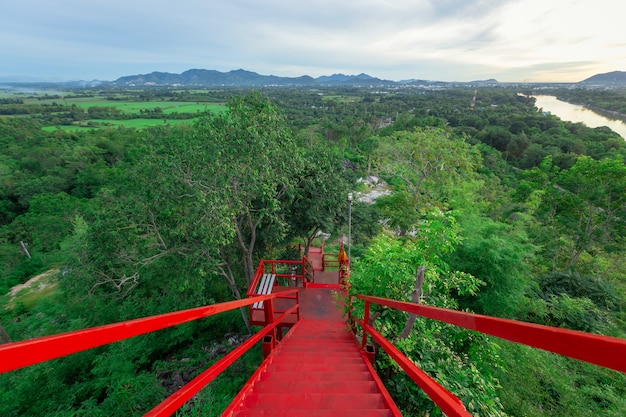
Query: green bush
x=602 y=293
x=21 y=272
x=536 y=383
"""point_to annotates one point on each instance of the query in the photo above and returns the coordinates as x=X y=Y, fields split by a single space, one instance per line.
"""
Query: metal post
x=370 y=353
x=267 y=345
x=268 y=310
x=349 y=229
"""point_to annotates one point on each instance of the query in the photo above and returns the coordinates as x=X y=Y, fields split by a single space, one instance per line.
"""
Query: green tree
x=195 y=204
x=583 y=207
x=421 y=165
x=252 y=163
x=456 y=358
x=320 y=199
x=47 y=222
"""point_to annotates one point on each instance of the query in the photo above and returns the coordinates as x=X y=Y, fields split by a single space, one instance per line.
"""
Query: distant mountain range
x=615 y=78
x=243 y=78
x=240 y=77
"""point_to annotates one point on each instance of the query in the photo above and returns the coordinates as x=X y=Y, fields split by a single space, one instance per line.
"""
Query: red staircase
x=317 y=370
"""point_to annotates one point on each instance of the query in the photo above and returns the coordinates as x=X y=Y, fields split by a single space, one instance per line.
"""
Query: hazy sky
x=448 y=40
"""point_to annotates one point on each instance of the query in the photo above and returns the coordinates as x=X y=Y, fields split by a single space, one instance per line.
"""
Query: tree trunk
x=247 y=248
x=230 y=278
x=4 y=336
x=415 y=298
x=309 y=241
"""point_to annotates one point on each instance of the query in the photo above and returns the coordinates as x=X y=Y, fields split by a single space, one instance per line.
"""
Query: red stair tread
x=318 y=367
x=316 y=376
x=285 y=401
x=312 y=413
x=325 y=360
x=329 y=344
x=320 y=339
x=278 y=386
x=347 y=353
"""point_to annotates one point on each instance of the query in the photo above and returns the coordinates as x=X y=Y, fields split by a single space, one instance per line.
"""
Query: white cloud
x=556 y=40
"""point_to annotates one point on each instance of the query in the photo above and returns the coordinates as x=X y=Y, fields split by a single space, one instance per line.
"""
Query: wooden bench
x=265 y=288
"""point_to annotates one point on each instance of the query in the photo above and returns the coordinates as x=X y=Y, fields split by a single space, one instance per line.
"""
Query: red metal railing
x=287 y=273
x=344 y=271
x=334 y=261
x=25 y=353
x=284 y=273
x=337 y=261
x=307 y=270
x=330 y=261
x=605 y=351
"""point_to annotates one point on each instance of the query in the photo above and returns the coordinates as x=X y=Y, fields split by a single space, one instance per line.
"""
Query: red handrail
x=20 y=354
x=184 y=394
x=447 y=402
x=25 y=353
x=605 y=351
x=330 y=260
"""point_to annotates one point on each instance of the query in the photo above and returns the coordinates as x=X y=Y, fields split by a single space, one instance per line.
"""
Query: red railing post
x=303 y=272
x=268 y=345
x=268 y=309
x=298 y=304
x=370 y=353
x=351 y=318
x=366 y=320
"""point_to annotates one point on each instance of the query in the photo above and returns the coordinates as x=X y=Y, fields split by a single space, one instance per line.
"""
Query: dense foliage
x=506 y=211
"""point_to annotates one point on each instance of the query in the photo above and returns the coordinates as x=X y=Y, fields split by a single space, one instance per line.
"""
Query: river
x=575 y=113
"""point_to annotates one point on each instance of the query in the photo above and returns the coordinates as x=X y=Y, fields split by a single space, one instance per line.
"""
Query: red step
x=304 y=368
x=324 y=386
x=317 y=376
x=317 y=370
x=312 y=413
x=284 y=401
x=321 y=357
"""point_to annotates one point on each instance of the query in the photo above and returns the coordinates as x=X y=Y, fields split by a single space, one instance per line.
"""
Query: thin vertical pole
x=349 y=230
x=366 y=321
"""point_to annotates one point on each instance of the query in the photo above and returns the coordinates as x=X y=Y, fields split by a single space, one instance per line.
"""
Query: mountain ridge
x=607 y=78
x=241 y=77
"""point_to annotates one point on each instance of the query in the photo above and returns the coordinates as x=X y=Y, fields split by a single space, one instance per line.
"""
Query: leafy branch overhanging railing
x=605 y=351
x=25 y=353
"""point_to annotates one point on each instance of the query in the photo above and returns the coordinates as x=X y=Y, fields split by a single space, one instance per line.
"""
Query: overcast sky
x=447 y=40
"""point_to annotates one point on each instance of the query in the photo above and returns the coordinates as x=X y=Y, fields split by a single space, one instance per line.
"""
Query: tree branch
x=415 y=298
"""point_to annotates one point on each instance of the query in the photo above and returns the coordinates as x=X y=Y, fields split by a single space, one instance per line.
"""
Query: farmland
x=69 y=110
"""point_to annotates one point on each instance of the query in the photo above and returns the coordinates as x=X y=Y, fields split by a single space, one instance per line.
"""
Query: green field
x=129 y=105
x=132 y=123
